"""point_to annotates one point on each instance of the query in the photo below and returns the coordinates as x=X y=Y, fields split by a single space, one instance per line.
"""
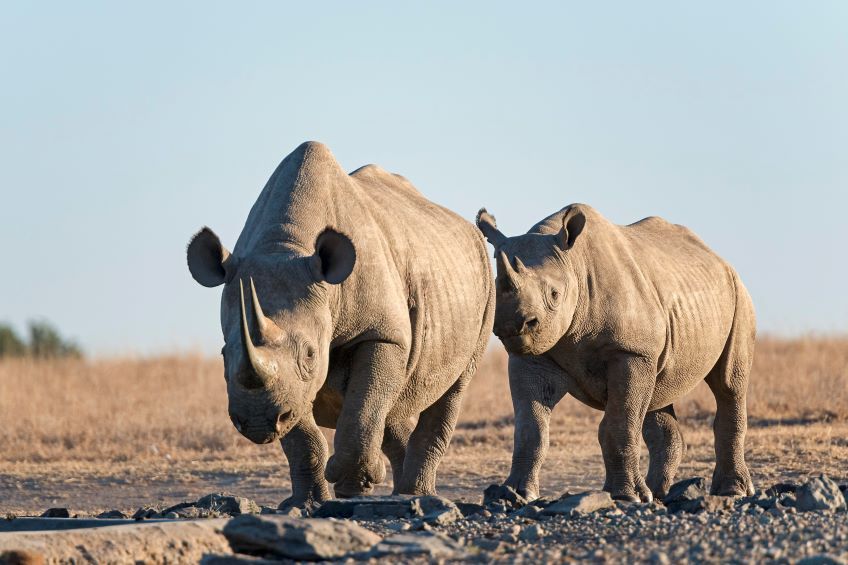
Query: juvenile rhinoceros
x=627 y=319
x=349 y=302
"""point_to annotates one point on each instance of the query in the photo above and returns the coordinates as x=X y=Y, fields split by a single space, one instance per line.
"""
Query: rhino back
x=656 y=289
x=441 y=263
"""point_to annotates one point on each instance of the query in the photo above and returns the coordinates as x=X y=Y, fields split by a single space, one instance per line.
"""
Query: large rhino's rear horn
x=264 y=367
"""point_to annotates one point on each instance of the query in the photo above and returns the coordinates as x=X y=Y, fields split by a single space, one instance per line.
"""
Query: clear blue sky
x=126 y=127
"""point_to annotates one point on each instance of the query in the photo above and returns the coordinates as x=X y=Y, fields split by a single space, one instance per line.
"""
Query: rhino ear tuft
x=486 y=223
x=572 y=226
x=334 y=257
x=206 y=257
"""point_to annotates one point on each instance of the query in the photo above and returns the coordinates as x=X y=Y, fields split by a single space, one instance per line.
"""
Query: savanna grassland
x=120 y=433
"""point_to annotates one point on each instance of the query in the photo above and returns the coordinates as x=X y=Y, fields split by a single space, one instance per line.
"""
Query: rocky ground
x=804 y=522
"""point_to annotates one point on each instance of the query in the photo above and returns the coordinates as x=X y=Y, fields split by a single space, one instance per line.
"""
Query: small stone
x=228 y=504
x=438 y=511
x=291 y=538
x=532 y=533
x=660 y=558
x=530 y=511
x=503 y=494
x=688 y=489
x=469 y=508
x=171 y=516
x=780 y=488
x=56 y=513
x=584 y=503
x=430 y=544
x=490 y=545
x=145 y=513
x=820 y=493
x=112 y=515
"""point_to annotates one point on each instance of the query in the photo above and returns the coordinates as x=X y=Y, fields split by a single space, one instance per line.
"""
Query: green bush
x=45 y=342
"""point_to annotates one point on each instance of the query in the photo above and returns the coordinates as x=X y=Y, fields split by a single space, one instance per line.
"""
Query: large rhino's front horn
x=264 y=366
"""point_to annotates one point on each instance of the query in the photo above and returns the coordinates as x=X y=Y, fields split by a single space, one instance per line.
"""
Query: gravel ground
x=648 y=533
x=788 y=523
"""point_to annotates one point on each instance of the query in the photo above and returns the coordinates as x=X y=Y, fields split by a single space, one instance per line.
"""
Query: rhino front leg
x=376 y=378
x=662 y=435
x=306 y=450
x=630 y=384
x=536 y=385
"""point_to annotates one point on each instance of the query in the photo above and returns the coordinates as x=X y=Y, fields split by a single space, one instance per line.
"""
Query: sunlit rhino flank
x=627 y=319
x=349 y=302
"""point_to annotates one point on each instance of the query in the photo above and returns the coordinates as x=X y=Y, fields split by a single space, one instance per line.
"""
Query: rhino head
x=277 y=322
x=536 y=288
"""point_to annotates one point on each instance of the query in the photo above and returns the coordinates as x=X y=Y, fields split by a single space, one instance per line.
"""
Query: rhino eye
x=554 y=293
x=307 y=358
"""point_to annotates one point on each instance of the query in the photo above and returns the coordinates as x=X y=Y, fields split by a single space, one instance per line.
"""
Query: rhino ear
x=572 y=226
x=206 y=258
x=486 y=223
x=334 y=257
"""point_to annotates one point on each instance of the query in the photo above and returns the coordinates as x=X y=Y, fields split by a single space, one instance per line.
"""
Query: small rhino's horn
x=519 y=266
x=510 y=273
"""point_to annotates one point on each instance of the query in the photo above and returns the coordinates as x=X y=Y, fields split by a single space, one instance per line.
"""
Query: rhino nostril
x=237 y=422
x=531 y=324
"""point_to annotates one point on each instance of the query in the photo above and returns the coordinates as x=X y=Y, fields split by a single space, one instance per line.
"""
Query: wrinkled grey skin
x=627 y=319
x=349 y=302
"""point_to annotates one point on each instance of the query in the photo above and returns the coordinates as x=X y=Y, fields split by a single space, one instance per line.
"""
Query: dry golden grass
x=121 y=425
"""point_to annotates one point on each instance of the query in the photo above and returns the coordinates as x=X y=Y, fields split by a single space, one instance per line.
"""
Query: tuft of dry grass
x=175 y=406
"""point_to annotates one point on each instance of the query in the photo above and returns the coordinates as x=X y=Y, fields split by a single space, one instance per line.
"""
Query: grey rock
x=490 y=545
x=438 y=511
x=431 y=544
x=706 y=503
x=530 y=511
x=469 y=508
x=145 y=513
x=308 y=539
x=56 y=513
x=531 y=533
x=819 y=493
x=228 y=504
x=688 y=489
x=218 y=559
x=780 y=488
x=112 y=515
x=368 y=508
x=584 y=503
x=178 y=507
x=505 y=495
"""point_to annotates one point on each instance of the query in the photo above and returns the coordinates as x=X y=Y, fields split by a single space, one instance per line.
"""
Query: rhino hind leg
x=395 y=442
x=728 y=381
x=305 y=448
x=662 y=435
x=430 y=440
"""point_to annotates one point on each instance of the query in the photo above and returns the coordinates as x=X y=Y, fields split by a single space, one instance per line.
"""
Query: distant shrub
x=45 y=342
x=10 y=344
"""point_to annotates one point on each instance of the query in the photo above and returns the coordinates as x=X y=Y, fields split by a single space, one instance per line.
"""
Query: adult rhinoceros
x=350 y=302
x=627 y=319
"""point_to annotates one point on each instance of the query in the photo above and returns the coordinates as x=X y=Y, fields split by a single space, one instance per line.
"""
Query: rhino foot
x=307 y=504
x=734 y=483
x=637 y=493
x=352 y=476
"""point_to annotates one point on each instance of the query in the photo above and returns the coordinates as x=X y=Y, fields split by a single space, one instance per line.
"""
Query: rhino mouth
x=520 y=343
x=271 y=430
